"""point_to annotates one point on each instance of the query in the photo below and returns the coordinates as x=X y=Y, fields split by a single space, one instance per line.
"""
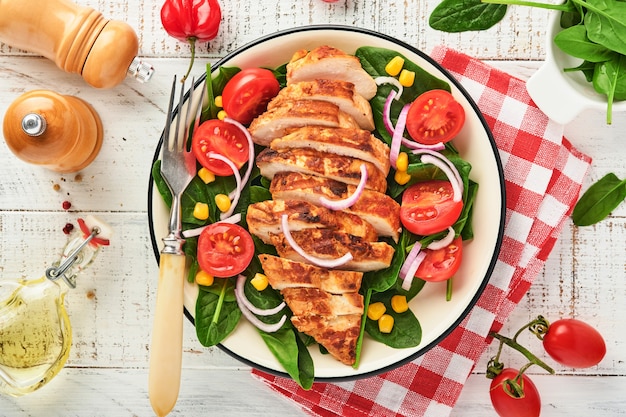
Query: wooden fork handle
x=167 y=335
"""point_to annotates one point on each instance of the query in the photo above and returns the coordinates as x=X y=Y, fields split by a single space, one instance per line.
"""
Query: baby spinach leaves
x=593 y=30
x=599 y=200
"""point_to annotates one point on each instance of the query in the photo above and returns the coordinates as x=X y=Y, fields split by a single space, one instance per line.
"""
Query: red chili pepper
x=191 y=21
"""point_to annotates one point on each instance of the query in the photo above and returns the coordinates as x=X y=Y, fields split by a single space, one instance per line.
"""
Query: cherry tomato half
x=428 y=207
x=509 y=406
x=221 y=137
x=441 y=264
x=224 y=249
x=246 y=95
x=574 y=343
x=435 y=116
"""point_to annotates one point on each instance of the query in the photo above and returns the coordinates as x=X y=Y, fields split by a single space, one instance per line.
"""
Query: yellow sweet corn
x=201 y=211
x=399 y=304
x=401 y=177
x=394 y=66
x=222 y=202
x=385 y=323
x=376 y=310
x=259 y=281
x=221 y=115
x=407 y=78
x=218 y=101
x=402 y=163
x=204 y=278
x=206 y=176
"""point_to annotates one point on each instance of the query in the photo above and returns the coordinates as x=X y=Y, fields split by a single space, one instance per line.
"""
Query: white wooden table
x=112 y=308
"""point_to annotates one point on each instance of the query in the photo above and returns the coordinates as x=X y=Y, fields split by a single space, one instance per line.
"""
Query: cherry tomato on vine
x=441 y=264
x=506 y=403
x=245 y=96
x=428 y=207
x=574 y=343
x=223 y=138
x=435 y=116
x=224 y=249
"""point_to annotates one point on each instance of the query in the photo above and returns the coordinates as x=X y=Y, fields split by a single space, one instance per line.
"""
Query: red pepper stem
x=521 y=349
x=192 y=43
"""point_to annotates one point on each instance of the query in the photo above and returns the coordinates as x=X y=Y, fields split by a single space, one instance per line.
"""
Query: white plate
x=437 y=316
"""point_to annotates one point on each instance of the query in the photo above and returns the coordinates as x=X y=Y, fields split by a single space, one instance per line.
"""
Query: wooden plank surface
x=111 y=310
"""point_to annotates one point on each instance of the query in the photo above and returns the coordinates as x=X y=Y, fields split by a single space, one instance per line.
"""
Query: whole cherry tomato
x=574 y=343
x=508 y=404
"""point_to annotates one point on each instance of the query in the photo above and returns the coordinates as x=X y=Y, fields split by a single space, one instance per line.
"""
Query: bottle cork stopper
x=61 y=133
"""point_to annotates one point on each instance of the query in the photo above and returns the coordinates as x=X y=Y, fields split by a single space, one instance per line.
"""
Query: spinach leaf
x=609 y=78
x=291 y=353
x=587 y=68
x=574 y=41
x=599 y=200
x=605 y=21
x=465 y=15
x=217 y=313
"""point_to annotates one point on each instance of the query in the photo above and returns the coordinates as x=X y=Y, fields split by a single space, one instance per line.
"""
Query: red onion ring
x=457 y=175
x=447 y=239
x=237 y=192
x=410 y=258
x=410 y=273
x=396 y=139
x=451 y=172
x=390 y=80
x=348 y=201
x=387 y=112
x=235 y=218
x=321 y=262
x=268 y=328
x=439 y=146
x=243 y=129
x=239 y=292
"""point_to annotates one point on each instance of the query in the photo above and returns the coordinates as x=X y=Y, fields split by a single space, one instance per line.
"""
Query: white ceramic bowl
x=437 y=316
x=564 y=95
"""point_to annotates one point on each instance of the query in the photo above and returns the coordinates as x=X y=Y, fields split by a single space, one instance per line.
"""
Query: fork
x=178 y=167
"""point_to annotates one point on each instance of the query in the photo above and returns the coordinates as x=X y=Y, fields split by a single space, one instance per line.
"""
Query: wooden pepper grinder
x=61 y=133
x=77 y=38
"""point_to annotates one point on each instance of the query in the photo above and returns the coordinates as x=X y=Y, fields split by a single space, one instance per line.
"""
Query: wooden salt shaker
x=61 y=133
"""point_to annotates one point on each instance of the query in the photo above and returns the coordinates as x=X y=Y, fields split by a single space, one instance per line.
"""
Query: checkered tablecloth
x=543 y=175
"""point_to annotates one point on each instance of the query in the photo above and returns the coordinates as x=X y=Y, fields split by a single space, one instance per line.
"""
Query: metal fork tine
x=192 y=91
x=168 y=121
x=178 y=138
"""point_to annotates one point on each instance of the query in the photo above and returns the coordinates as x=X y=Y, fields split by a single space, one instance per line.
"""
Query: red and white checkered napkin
x=543 y=174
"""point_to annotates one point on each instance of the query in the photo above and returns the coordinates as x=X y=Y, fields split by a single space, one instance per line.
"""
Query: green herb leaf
x=465 y=15
x=216 y=316
x=599 y=200
x=574 y=41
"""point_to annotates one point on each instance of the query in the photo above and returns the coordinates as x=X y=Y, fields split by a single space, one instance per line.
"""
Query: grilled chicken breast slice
x=330 y=244
x=355 y=143
x=264 y=218
x=338 y=334
x=328 y=63
x=284 y=273
x=378 y=209
x=341 y=93
x=313 y=301
x=312 y=162
x=274 y=122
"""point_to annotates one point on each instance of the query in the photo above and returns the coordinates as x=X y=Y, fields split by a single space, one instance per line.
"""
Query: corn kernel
x=259 y=281
x=222 y=202
x=402 y=162
x=401 y=177
x=218 y=101
x=394 y=66
x=376 y=310
x=399 y=304
x=201 y=211
x=385 y=323
x=221 y=115
x=206 y=176
x=407 y=78
x=204 y=278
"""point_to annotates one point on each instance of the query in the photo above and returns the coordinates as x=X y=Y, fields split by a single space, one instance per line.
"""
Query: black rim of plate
x=496 y=155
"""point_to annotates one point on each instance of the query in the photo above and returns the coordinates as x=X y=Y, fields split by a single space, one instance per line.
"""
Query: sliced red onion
x=439 y=146
x=393 y=81
x=239 y=292
x=321 y=262
x=440 y=244
x=241 y=127
x=457 y=175
x=449 y=169
x=348 y=201
x=396 y=139
x=237 y=192
x=387 y=112
x=409 y=259
x=235 y=218
x=410 y=273
x=268 y=328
